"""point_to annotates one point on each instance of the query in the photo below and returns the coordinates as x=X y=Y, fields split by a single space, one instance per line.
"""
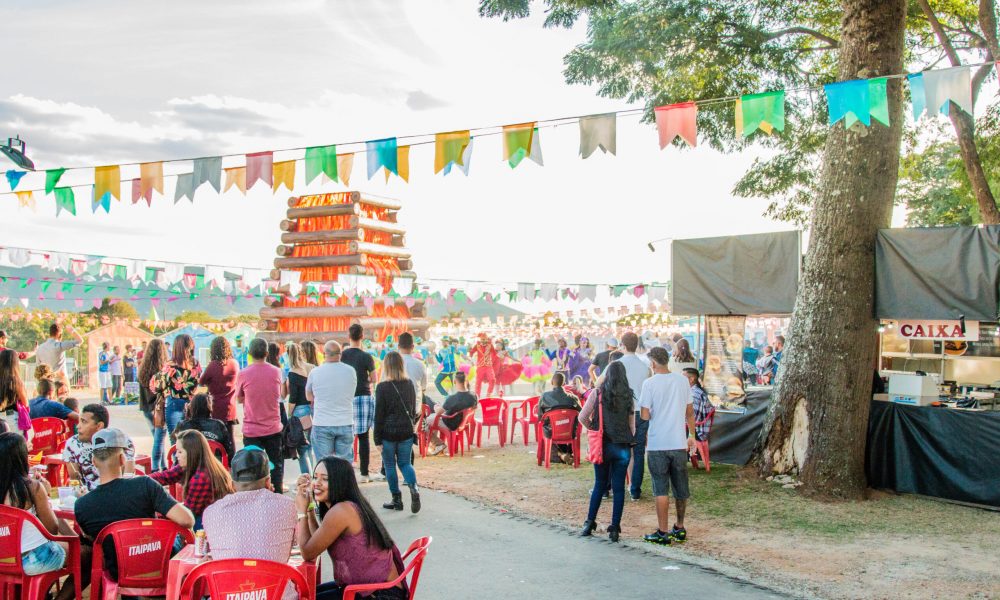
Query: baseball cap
x=250 y=464
x=110 y=438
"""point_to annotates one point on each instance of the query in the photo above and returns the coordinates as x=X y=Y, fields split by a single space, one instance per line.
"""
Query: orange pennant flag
x=107 y=180
x=284 y=173
x=150 y=178
x=677 y=120
x=345 y=164
x=402 y=164
x=26 y=199
x=236 y=176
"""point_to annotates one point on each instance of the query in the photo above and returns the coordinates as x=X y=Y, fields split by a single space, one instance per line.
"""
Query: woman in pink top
x=344 y=525
x=220 y=378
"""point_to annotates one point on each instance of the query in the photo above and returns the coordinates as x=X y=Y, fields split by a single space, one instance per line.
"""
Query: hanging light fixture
x=14 y=150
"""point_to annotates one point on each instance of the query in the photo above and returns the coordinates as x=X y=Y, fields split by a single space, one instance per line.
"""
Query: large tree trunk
x=816 y=425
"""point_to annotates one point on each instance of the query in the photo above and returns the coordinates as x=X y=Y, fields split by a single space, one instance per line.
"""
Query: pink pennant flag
x=138 y=194
x=173 y=299
x=190 y=279
x=369 y=302
x=41 y=296
x=78 y=302
x=29 y=282
x=96 y=302
x=331 y=300
x=77 y=266
x=154 y=301
x=409 y=302
x=260 y=167
x=230 y=299
x=677 y=120
x=639 y=291
x=60 y=296
x=324 y=288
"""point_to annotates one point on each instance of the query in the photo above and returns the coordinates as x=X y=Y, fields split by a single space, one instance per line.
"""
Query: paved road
x=498 y=555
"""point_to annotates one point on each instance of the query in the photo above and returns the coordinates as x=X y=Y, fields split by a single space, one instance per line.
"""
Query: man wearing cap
x=446 y=357
x=266 y=521
x=240 y=352
x=118 y=498
x=603 y=359
x=77 y=454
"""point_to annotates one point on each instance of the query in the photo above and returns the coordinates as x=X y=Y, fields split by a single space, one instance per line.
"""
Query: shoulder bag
x=595 y=438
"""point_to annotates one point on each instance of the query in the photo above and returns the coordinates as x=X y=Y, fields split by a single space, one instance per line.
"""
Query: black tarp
x=938 y=452
x=937 y=273
x=754 y=274
x=733 y=435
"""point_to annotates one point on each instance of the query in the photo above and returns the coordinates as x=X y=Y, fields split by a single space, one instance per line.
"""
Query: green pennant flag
x=65 y=200
x=87 y=289
x=153 y=293
x=133 y=291
x=120 y=272
x=512 y=296
x=67 y=287
x=321 y=159
x=52 y=177
x=45 y=285
x=194 y=296
x=24 y=282
x=111 y=289
x=761 y=111
x=151 y=274
x=517 y=142
x=618 y=290
x=199 y=282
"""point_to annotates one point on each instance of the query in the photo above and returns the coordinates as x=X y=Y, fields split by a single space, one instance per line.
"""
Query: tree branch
x=832 y=42
x=979 y=77
x=939 y=32
x=988 y=23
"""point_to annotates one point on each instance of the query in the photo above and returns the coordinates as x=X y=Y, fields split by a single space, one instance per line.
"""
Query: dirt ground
x=890 y=546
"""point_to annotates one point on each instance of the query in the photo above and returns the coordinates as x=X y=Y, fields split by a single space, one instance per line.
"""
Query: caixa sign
x=939 y=330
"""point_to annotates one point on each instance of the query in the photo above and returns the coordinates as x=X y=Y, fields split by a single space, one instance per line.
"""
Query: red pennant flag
x=677 y=120
x=260 y=167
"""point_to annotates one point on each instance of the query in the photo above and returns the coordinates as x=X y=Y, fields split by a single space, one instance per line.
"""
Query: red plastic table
x=184 y=561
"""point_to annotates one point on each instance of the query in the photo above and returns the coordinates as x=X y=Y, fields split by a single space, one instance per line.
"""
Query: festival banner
x=723 y=376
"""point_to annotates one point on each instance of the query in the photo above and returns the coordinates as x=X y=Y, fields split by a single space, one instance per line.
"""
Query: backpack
x=292 y=437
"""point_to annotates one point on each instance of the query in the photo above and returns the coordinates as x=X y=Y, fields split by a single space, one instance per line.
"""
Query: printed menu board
x=723 y=376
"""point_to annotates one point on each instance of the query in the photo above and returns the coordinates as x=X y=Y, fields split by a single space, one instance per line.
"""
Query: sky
x=121 y=81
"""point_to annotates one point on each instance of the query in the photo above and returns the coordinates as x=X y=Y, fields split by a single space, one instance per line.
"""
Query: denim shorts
x=669 y=468
x=46 y=558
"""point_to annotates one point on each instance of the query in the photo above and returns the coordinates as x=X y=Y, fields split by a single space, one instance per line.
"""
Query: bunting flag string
x=931 y=91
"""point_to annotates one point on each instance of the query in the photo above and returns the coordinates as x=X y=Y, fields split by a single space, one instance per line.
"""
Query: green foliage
x=118 y=310
x=197 y=316
x=665 y=51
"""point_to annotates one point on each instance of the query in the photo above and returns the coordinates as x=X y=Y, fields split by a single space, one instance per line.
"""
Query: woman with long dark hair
x=13 y=395
x=396 y=413
x=310 y=352
x=19 y=489
x=220 y=378
x=344 y=525
x=152 y=403
x=178 y=380
x=611 y=404
x=298 y=404
x=682 y=358
x=204 y=478
x=200 y=411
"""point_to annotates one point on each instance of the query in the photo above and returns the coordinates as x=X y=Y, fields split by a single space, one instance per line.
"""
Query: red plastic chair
x=143 y=548
x=243 y=578
x=456 y=440
x=494 y=414
x=419 y=551
x=177 y=490
x=50 y=435
x=527 y=418
x=33 y=587
x=561 y=422
x=423 y=437
x=701 y=447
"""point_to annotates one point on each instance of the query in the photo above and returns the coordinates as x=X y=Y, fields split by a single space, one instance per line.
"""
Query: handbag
x=595 y=439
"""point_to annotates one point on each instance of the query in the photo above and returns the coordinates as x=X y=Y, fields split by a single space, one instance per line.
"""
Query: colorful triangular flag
x=598 y=131
x=52 y=177
x=236 y=176
x=260 y=167
x=107 y=183
x=765 y=111
x=382 y=153
x=14 y=178
x=321 y=159
x=677 y=120
x=284 y=174
x=449 y=148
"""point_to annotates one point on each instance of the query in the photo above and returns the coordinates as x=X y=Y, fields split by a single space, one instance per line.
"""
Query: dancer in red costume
x=486 y=356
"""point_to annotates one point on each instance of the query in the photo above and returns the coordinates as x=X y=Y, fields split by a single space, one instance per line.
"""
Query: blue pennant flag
x=14 y=178
x=103 y=202
x=846 y=97
x=382 y=153
x=918 y=97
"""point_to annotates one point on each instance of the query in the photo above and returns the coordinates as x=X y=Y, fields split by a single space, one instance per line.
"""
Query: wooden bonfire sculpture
x=328 y=235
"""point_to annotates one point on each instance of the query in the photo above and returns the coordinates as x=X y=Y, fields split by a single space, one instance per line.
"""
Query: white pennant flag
x=526 y=291
x=588 y=292
x=598 y=131
x=548 y=291
x=942 y=85
x=293 y=280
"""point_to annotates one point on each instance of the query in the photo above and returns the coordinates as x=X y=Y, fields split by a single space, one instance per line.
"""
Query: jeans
x=337 y=440
x=159 y=433
x=116 y=386
x=271 y=444
x=305 y=451
x=398 y=454
x=612 y=468
x=46 y=558
x=174 y=414
x=440 y=378
x=638 y=456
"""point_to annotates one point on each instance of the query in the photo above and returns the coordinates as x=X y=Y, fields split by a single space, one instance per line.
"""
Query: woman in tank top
x=21 y=490
x=335 y=518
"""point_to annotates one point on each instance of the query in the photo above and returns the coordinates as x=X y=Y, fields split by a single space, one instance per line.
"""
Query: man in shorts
x=665 y=401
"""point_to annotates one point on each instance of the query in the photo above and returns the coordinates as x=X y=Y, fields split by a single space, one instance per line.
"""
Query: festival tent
x=202 y=340
x=118 y=334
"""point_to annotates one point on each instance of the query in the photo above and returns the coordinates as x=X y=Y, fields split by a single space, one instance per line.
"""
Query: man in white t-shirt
x=330 y=388
x=636 y=371
x=52 y=352
x=415 y=368
x=665 y=401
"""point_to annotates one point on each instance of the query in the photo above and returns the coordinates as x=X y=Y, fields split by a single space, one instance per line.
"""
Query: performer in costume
x=507 y=369
x=537 y=367
x=486 y=356
x=560 y=359
x=389 y=346
x=582 y=356
x=446 y=358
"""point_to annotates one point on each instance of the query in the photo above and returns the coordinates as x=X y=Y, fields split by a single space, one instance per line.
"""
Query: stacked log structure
x=328 y=235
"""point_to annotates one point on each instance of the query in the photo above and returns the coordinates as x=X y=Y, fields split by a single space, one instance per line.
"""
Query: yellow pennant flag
x=150 y=178
x=107 y=180
x=284 y=173
x=236 y=176
x=402 y=164
x=26 y=199
x=449 y=148
x=345 y=164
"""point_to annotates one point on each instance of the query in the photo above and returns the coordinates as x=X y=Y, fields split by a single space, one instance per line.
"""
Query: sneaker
x=437 y=450
x=376 y=477
x=678 y=534
x=635 y=497
x=658 y=537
